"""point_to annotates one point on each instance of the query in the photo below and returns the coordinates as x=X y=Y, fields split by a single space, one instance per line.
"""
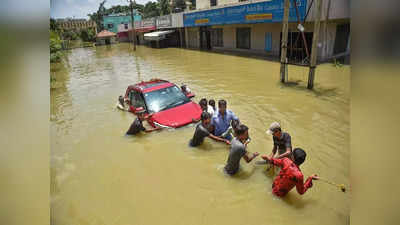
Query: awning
x=157 y=35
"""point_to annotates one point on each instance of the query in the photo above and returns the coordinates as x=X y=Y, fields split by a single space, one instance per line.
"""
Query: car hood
x=178 y=116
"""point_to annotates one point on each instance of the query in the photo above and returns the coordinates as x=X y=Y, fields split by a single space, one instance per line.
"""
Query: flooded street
x=99 y=176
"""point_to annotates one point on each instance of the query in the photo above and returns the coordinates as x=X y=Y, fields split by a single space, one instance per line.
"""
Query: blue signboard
x=261 y=12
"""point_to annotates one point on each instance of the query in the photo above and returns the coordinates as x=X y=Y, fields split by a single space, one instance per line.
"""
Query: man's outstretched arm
x=302 y=188
x=248 y=159
x=219 y=139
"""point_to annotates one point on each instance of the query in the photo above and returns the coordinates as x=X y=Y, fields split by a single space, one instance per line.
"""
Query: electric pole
x=284 y=41
x=133 y=25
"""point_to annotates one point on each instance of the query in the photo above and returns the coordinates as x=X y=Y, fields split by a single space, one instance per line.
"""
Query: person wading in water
x=221 y=120
x=202 y=131
x=290 y=174
x=238 y=150
x=137 y=124
x=282 y=141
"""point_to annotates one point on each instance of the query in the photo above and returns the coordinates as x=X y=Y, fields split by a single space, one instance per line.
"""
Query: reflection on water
x=99 y=176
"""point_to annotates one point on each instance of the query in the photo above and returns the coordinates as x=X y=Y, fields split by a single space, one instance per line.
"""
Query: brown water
x=99 y=176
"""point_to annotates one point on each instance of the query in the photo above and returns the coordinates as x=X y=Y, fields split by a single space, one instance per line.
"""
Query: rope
x=341 y=186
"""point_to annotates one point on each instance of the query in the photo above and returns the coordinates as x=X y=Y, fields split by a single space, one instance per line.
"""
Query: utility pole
x=284 y=40
x=133 y=25
x=314 y=50
x=326 y=30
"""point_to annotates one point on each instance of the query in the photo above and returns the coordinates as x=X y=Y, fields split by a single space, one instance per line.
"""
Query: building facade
x=172 y=23
x=76 y=24
x=111 y=22
x=255 y=27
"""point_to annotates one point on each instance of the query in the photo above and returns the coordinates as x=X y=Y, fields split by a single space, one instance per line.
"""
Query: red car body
x=151 y=95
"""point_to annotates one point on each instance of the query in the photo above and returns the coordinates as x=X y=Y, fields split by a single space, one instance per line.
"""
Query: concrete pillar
x=186 y=37
x=284 y=41
x=181 y=37
x=314 y=50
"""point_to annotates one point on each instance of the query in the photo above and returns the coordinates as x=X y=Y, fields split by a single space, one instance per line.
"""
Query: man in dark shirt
x=282 y=141
x=137 y=124
x=201 y=131
x=238 y=150
x=290 y=174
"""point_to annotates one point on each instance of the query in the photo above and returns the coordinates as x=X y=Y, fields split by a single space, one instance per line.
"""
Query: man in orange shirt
x=290 y=174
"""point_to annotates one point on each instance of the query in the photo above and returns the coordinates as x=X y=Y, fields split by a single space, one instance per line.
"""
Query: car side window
x=137 y=99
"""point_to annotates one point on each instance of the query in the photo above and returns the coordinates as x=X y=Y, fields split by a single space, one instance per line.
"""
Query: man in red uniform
x=290 y=174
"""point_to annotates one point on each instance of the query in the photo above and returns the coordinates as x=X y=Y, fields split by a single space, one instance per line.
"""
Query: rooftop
x=106 y=33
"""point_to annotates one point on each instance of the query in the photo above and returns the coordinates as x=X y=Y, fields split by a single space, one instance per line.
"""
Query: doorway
x=205 y=38
x=342 y=38
x=243 y=38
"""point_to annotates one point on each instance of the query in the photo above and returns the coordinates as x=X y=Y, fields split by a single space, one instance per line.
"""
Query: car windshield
x=163 y=99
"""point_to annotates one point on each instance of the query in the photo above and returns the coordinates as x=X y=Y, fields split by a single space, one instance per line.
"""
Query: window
x=136 y=99
x=213 y=2
x=126 y=26
x=110 y=25
x=243 y=38
x=217 y=37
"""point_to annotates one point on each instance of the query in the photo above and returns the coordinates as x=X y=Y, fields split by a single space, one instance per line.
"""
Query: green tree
x=178 y=5
x=102 y=11
x=151 y=9
x=117 y=9
x=70 y=35
x=98 y=16
x=87 y=35
x=164 y=7
x=55 y=47
x=53 y=25
x=138 y=7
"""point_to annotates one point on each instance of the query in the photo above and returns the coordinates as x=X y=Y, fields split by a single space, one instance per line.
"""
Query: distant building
x=112 y=21
x=105 y=37
x=124 y=32
x=76 y=24
x=255 y=27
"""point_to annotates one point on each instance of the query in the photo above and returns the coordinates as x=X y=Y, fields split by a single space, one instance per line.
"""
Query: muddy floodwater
x=101 y=177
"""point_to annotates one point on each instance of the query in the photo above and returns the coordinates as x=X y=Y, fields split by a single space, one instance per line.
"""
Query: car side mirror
x=138 y=109
x=190 y=95
x=187 y=91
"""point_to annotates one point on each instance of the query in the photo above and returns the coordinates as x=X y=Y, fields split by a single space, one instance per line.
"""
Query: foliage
x=151 y=9
x=70 y=35
x=178 y=5
x=164 y=7
x=55 y=47
x=102 y=11
x=54 y=25
x=97 y=17
x=336 y=63
x=87 y=35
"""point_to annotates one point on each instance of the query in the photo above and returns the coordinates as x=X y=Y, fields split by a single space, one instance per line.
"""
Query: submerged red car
x=169 y=105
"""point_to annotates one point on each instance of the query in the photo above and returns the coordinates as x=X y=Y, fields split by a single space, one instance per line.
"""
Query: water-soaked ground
x=99 y=176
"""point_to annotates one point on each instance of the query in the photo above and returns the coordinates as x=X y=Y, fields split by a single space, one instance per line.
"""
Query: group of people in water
x=224 y=126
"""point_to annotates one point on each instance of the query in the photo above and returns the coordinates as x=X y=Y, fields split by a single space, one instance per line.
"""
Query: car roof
x=152 y=85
